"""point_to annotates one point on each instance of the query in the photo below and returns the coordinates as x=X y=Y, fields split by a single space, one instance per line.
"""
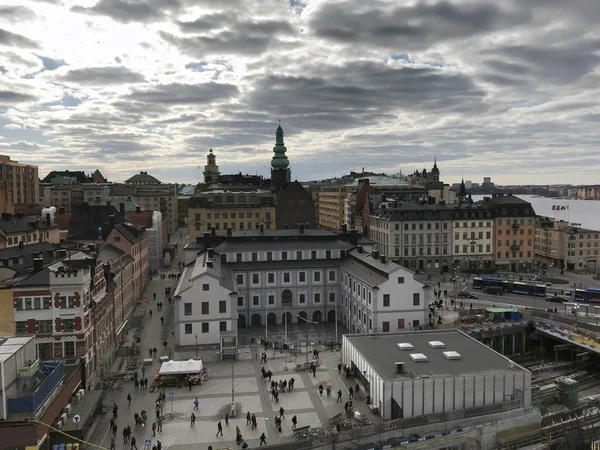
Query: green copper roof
x=279 y=161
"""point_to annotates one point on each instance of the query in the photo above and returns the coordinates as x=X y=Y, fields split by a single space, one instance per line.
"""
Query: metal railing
x=29 y=403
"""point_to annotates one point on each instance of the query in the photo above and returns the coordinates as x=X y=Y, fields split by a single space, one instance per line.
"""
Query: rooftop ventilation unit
x=418 y=357
x=399 y=367
x=405 y=346
x=452 y=355
x=436 y=344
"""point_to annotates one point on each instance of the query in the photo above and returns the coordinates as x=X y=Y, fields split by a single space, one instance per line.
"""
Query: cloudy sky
x=508 y=89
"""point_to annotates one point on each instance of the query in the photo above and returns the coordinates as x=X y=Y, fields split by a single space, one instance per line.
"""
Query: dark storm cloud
x=102 y=76
x=243 y=38
x=182 y=94
x=409 y=27
x=16 y=40
x=16 y=13
x=11 y=96
x=126 y=11
x=365 y=90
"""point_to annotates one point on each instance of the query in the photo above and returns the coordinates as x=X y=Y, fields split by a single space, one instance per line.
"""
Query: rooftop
x=200 y=267
x=142 y=177
x=283 y=233
x=230 y=246
x=382 y=352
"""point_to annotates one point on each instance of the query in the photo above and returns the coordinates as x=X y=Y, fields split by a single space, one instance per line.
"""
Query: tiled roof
x=78 y=174
x=130 y=231
x=21 y=223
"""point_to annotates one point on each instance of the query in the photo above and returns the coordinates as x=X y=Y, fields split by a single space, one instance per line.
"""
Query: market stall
x=174 y=373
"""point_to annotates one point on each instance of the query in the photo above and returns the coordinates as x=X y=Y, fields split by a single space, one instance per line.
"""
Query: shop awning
x=191 y=366
x=170 y=368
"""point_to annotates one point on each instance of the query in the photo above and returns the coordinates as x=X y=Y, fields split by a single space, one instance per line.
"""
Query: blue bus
x=591 y=295
x=517 y=287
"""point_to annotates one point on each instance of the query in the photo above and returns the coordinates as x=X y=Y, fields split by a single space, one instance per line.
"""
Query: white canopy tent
x=180 y=367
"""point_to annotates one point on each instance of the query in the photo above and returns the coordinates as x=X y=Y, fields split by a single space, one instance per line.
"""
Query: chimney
x=21 y=245
x=359 y=249
x=344 y=228
x=213 y=231
x=375 y=254
x=301 y=228
x=262 y=228
x=63 y=252
x=382 y=259
x=138 y=209
x=122 y=208
x=229 y=232
x=111 y=219
x=206 y=240
x=48 y=220
x=211 y=253
x=61 y=210
x=38 y=263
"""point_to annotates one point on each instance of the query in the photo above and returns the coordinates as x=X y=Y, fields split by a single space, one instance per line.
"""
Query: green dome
x=279 y=161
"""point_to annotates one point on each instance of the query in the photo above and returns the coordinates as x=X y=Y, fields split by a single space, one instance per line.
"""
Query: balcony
x=515 y=247
x=27 y=393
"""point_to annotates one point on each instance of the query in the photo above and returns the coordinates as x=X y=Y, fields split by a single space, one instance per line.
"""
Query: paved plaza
x=251 y=393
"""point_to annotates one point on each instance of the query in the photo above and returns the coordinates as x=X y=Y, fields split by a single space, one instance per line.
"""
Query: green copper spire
x=279 y=161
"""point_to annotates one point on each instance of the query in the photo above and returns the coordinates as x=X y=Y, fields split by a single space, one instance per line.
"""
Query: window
x=332 y=275
x=238 y=257
x=254 y=257
x=269 y=256
x=37 y=302
x=239 y=278
x=284 y=256
x=317 y=297
x=386 y=327
x=386 y=299
x=240 y=301
x=271 y=299
x=28 y=303
x=69 y=348
x=401 y=324
x=255 y=278
x=20 y=327
x=271 y=277
x=187 y=309
x=204 y=308
x=328 y=254
x=286 y=277
x=299 y=255
x=400 y=280
x=44 y=326
x=255 y=300
x=302 y=298
x=205 y=287
x=222 y=306
x=222 y=326
x=416 y=299
x=313 y=254
x=68 y=324
x=332 y=297
x=302 y=277
x=317 y=277
x=188 y=328
x=205 y=327
x=47 y=302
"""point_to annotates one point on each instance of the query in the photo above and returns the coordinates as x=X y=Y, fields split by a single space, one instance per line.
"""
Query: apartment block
x=23 y=181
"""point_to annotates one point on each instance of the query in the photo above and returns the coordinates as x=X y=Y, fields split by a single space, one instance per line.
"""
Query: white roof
x=180 y=367
x=191 y=366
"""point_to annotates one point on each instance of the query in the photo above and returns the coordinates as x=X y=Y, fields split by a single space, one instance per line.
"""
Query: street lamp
x=233 y=359
x=307 y=321
x=196 y=345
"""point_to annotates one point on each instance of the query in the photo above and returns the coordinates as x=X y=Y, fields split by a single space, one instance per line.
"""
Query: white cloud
x=507 y=89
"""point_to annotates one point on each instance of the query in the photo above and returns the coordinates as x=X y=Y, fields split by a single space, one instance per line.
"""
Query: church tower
x=435 y=172
x=211 y=170
x=280 y=172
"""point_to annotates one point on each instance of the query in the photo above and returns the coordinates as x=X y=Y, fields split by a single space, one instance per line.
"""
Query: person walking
x=162 y=320
x=137 y=385
x=115 y=411
x=254 y=425
x=150 y=314
x=262 y=440
x=165 y=345
x=281 y=411
x=321 y=389
x=146 y=383
x=114 y=430
x=159 y=423
x=158 y=445
x=219 y=429
x=192 y=419
x=227 y=419
x=294 y=422
x=154 y=429
x=248 y=418
x=125 y=435
x=129 y=399
x=150 y=351
x=339 y=397
x=133 y=442
x=196 y=403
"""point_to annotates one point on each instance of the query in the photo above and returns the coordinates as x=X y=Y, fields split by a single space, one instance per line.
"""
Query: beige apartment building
x=331 y=206
x=23 y=181
x=65 y=195
x=560 y=245
x=238 y=210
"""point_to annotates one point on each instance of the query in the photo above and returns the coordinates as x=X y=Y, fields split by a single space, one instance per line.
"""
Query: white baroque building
x=252 y=277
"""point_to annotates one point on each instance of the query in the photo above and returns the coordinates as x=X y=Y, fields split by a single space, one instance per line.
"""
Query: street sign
x=76 y=418
x=171 y=394
x=148 y=442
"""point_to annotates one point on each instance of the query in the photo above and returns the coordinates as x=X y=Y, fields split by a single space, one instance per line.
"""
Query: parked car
x=557 y=298
x=494 y=290
x=467 y=294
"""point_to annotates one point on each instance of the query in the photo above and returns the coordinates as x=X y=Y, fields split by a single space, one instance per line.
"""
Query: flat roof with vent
x=436 y=344
x=460 y=356
x=405 y=346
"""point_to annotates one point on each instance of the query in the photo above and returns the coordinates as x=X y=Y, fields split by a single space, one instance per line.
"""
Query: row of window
x=421 y=226
x=232 y=215
x=473 y=224
x=44 y=326
x=27 y=303
x=286 y=277
x=204 y=308
x=514 y=242
x=466 y=249
x=421 y=251
x=204 y=326
x=521 y=232
x=422 y=238
x=514 y=254
x=234 y=226
x=286 y=300
x=285 y=256
x=465 y=236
